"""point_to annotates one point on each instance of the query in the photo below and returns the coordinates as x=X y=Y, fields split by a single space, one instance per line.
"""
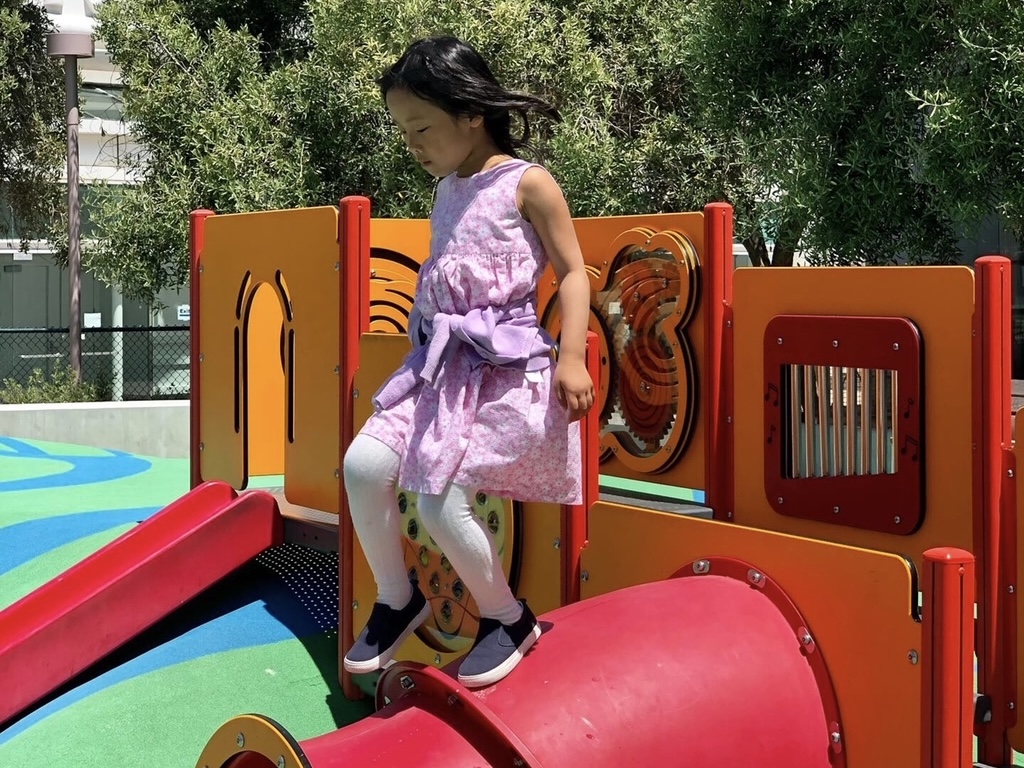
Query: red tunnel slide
x=69 y=623
x=685 y=672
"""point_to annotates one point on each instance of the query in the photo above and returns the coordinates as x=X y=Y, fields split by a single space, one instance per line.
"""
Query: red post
x=196 y=241
x=947 y=656
x=354 y=316
x=574 y=516
x=994 y=516
x=717 y=272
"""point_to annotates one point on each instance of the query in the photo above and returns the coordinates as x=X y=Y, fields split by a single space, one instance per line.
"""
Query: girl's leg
x=463 y=537
x=371 y=473
x=508 y=627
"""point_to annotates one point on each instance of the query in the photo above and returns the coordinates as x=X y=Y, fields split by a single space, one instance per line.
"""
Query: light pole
x=73 y=41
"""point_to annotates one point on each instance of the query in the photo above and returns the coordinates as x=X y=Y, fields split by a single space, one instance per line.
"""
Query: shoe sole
x=372 y=665
x=499 y=672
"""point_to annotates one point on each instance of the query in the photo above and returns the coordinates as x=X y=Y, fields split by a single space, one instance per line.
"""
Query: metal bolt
x=728 y=323
x=281 y=762
x=753 y=576
x=896 y=347
x=585 y=576
x=835 y=510
x=337 y=369
x=240 y=739
x=1011 y=705
x=701 y=566
x=728 y=515
x=406 y=682
x=337 y=266
x=355 y=394
x=912 y=656
x=1009 y=473
x=437 y=658
x=337 y=473
x=1010 y=589
x=806 y=638
x=896 y=519
x=728 y=419
x=202 y=446
x=835 y=342
x=780 y=499
x=557 y=543
x=201 y=357
x=778 y=340
x=518 y=763
x=836 y=738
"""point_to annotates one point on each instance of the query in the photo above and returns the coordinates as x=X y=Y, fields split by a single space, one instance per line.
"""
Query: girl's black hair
x=450 y=74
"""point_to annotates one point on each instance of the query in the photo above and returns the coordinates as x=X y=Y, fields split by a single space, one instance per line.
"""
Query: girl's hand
x=574 y=388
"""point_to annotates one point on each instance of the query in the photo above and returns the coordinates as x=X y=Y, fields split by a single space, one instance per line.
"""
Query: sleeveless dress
x=474 y=403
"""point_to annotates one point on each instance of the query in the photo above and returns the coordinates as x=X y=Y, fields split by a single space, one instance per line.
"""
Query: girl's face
x=441 y=143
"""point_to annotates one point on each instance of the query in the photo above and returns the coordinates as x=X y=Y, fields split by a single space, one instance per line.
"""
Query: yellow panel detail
x=295 y=254
x=251 y=734
x=265 y=381
x=940 y=301
x=856 y=603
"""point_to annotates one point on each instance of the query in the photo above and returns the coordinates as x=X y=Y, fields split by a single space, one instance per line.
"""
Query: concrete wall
x=158 y=428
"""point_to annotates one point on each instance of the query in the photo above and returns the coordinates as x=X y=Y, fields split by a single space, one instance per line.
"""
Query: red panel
x=196 y=241
x=719 y=363
x=354 y=274
x=995 y=505
x=52 y=634
x=947 y=653
x=574 y=517
x=859 y=501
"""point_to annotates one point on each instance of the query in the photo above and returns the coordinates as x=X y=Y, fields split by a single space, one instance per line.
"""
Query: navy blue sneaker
x=384 y=634
x=498 y=648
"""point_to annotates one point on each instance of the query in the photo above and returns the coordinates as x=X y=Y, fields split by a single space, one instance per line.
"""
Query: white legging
x=371 y=476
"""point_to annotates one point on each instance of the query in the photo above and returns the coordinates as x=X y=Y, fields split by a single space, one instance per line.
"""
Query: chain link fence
x=123 y=363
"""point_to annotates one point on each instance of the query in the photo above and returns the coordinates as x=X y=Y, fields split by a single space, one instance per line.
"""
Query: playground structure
x=850 y=429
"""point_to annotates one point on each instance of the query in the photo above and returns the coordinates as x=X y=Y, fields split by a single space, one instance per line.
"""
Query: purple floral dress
x=473 y=403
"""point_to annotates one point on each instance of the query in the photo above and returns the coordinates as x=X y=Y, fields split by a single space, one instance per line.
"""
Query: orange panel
x=602 y=239
x=856 y=602
x=265 y=383
x=940 y=301
x=540 y=573
x=1016 y=731
x=295 y=253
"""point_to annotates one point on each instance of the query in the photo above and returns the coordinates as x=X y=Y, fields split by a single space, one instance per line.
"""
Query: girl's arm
x=543 y=205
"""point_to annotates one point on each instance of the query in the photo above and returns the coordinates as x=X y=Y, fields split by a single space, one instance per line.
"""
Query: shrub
x=60 y=387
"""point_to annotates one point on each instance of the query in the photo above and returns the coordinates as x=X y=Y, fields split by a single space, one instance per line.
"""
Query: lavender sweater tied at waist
x=507 y=336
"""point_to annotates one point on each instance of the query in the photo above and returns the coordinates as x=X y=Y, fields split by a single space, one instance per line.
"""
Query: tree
x=871 y=131
x=31 y=140
x=972 y=107
x=236 y=114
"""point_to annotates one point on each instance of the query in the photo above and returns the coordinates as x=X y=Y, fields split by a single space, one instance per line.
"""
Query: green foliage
x=227 y=128
x=857 y=131
x=817 y=96
x=60 y=387
x=31 y=103
x=972 y=108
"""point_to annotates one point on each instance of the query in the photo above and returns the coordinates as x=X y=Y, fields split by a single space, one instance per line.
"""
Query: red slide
x=69 y=623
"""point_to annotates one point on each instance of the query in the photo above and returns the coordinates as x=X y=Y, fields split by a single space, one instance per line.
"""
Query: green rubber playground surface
x=264 y=640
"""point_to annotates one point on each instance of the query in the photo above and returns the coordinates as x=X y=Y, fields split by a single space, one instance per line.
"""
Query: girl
x=479 y=403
